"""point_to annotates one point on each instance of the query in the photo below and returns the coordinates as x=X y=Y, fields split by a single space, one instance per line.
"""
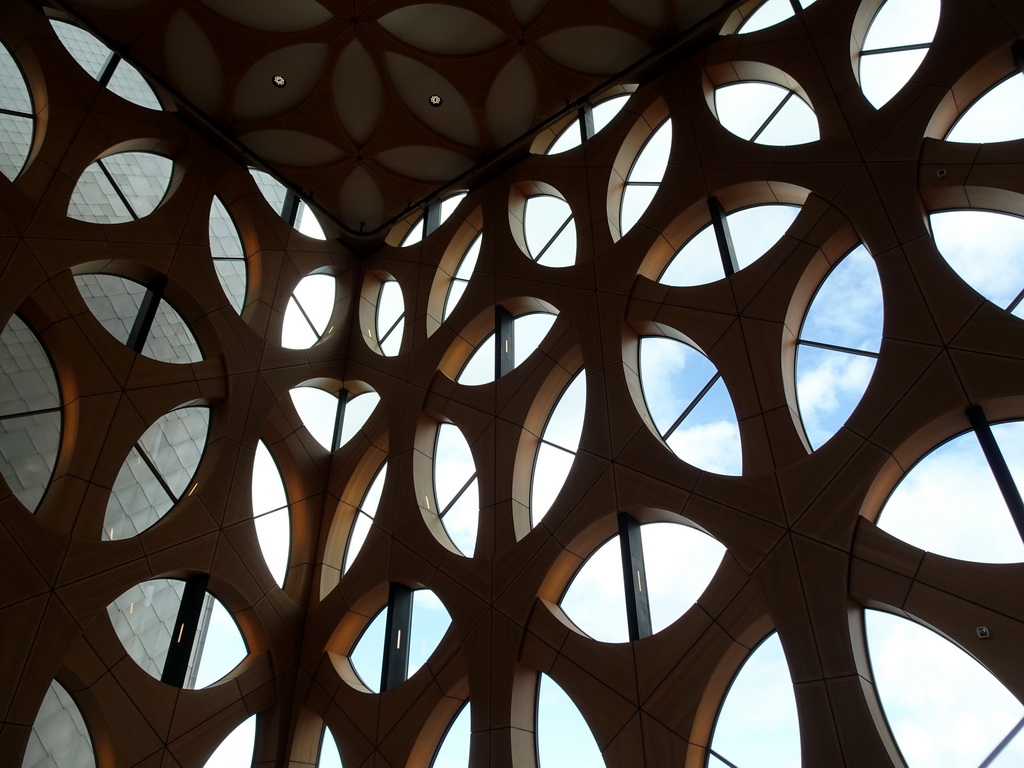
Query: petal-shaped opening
x=228 y=254
x=558 y=445
x=390 y=319
x=457 y=498
x=765 y=113
x=996 y=115
x=357 y=412
x=270 y=513
x=460 y=280
x=757 y=724
x=679 y=562
x=942 y=706
x=602 y=113
x=949 y=502
x=145 y=620
x=17 y=122
x=237 y=749
x=366 y=656
x=288 y=205
x=528 y=332
x=329 y=756
x=453 y=751
x=753 y=232
x=983 y=248
x=308 y=312
x=839 y=341
x=364 y=516
x=60 y=737
x=550 y=231
x=768 y=14
x=563 y=736
x=417 y=231
x=122 y=187
x=645 y=176
x=318 y=411
x=895 y=45
x=157 y=472
x=690 y=405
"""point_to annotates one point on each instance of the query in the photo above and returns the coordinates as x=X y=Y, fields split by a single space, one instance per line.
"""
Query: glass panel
x=744 y=107
x=1010 y=438
x=273 y=191
x=367 y=656
x=652 y=161
x=390 y=314
x=563 y=736
x=757 y=724
x=552 y=464
x=308 y=312
x=795 y=123
x=90 y=53
x=528 y=331
x=236 y=751
x=307 y=223
x=903 y=22
x=364 y=516
x=14 y=93
x=983 y=247
x=448 y=206
x=635 y=200
x=430 y=620
x=169 y=339
x=882 y=75
x=28 y=454
x=767 y=15
x=144 y=619
x=569 y=138
x=15 y=143
x=605 y=111
x=142 y=177
x=461 y=276
x=709 y=436
x=595 y=599
x=219 y=646
x=127 y=83
x=270 y=510
x=943 y=707
x=318 y=411
x=228 y=254
x=59 y=738
x=357 y=411
x=949 y=503
x=95 y=200
x=829 y=385
x=680 y=562
x=453 y=469
x=137 y=500
x=27 y=381
x=329 y=756
x=550 y=231
x=453 y=751
x=415 y=233
x=997 y=115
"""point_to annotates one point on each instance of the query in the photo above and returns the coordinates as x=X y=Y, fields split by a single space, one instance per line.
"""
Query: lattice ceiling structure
x=158 y=317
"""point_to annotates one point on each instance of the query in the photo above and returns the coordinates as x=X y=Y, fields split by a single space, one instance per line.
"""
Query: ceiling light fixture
x=279 y=81
x=435 y=100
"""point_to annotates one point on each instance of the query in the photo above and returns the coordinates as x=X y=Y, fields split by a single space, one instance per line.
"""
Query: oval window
x=17 y=120
x=123 y=187
x=139 y=317
x=30 y=414
x=942 y=706
x=949 y=502
x=996 y=115
x=690 y=405
x=550 y=231
x=105 y=66
x=757 y=723
x=157 y=472
x=896 y=43
x=750 y=233
x=178 y=632
x=332 y=419
x=838 y=345
x=270 y=513
x=228 y=254
x=460 y=280
x=557 y=448
x=645 y=177
x=983 y=247
x=526 y=334
x=765 y=113
x=365 y=513
x=602 y=113
x=288 y=205
x=309 y=311
x=563 y=736
x=416 y=620
x=672 y=566
x=390 y=318
x=456 y=490
x=60 y=737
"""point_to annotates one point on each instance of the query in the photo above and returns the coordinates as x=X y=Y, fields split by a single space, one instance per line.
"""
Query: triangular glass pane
x=127 y=83
x=236 y=751
x=453 y=751
x=829 y=385
x=595 y=600
x=757 y=724
x=95 y=200
x=944 y=709
x=15 y=143
x=273 y=530
x=142 y=177
x=461 y=520
x=137 y=500
x=635 y=200
x=903 y=22
x=767 y=15
x=114 y=301
x=672 y=374
x=569 y=138
x=709 y=437
x=565 y=425
x=367 y=655
x=795 y=123
x=680 y=562
x=543 y=216
x=357 y=411
x=756 y=229
x=430 y=620
x=415 y=233
x=479 y=369
x=14 y=93
x=983 y=247
x=949 y=503
x=530 y=331
x=329 y=756
x=296 y=332
x=144 y=619
x=169 y=339
x=27 y=381
x=90 y=53
x=743 y=107
x=28 y=454
x=318 y=411
x=652 y=161
x=882 y=75
x=847 y=308
x=997 y=115
x=233 y=275
x=219 y=646
x=364 y=516
x=308 y=312
x=563 y=736
x=453 y=468
x=696 y=263
x=550 y=471
x=604 y=112
x=228 y=253
x=448 y=206
x=60 y=737
x=307 y=223
x=561 y=252
x=273 y=191
x=390 y=310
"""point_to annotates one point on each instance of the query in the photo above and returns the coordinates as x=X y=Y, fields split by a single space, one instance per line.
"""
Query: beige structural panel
x=803 y=554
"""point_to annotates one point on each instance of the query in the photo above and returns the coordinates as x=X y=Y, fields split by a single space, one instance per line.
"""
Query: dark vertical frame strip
x=398 y=629
x=634 y=578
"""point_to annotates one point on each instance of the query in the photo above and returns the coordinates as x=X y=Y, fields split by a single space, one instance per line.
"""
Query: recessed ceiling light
x=435 y=100
x=279 y=81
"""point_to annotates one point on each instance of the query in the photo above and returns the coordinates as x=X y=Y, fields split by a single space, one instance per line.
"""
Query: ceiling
x=353 y=127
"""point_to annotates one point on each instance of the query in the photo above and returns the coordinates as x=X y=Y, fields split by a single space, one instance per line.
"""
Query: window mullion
x=838 y=348
x=185 y=625
x=997 y=464
x=634 y=578
x=339 y=419
x=156 y=473
x=457 y=496
x=398 y=629
x=554 y=237
x=693 y=404
x=147 y=314
x=723 y=237
x=772 y=116
x=117 y=190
